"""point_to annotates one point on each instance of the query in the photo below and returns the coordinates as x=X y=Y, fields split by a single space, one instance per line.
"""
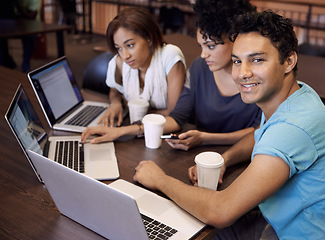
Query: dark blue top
x=212 y=111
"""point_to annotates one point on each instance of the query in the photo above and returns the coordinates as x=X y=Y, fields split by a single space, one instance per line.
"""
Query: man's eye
x=211 y=47
x=257 y=60
x=235 y=61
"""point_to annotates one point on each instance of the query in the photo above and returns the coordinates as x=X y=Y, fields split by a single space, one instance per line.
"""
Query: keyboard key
x=86 y=116
x=70 y=154
x=156 y=229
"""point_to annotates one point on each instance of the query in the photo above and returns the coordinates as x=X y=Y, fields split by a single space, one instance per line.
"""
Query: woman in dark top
x=211 y=95
x=213 y=111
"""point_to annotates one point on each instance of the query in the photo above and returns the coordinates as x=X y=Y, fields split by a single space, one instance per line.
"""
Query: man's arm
x=261 y=179
x=241 y=151
x=265 y=175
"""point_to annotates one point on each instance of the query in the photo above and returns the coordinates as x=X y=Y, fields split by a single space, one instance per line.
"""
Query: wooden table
x=26 y=208
x=12 y=28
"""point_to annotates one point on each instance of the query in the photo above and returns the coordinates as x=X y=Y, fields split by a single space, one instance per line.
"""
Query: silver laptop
x=60 y=98
x=94 y=160
x=120 y=210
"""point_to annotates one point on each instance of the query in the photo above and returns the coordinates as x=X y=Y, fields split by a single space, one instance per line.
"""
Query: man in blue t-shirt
x=286 y=176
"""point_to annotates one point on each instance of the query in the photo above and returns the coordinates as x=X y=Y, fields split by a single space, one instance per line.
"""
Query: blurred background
x=89 y=19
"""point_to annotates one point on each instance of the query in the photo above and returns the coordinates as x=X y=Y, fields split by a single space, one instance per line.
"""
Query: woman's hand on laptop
x=107 y=134
x=114 y=111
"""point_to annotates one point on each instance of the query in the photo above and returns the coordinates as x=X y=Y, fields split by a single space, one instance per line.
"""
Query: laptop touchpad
x=99 y=154
x=151 y=204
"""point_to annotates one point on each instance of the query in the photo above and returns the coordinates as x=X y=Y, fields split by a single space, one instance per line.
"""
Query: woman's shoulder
x=199 y=64
x=170 y=55
x=171 y=47
x=169 y=50
x=199 y=73
x=198 y=61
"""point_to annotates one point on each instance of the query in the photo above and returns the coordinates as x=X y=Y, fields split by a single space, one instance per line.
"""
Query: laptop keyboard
x=86 y=116
x=70 y=154
x=156 y=229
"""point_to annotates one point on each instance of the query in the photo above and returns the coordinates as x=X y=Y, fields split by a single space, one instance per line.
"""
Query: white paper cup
x=153 y=129
x=137 y=109
x=208 y=169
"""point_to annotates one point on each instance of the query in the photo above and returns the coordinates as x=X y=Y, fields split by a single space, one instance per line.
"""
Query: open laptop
x=119 y=210
x=94 y=160
x=60 y=98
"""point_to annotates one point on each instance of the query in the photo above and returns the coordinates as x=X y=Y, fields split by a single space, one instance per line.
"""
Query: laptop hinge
x=46 y=149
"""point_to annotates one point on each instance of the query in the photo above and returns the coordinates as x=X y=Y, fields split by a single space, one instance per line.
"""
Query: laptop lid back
x=56 y=89
x=91 y=203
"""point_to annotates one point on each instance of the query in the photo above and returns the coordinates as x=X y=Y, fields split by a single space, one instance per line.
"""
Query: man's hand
x=149 y=174
x=222 y=172
x=192 y=174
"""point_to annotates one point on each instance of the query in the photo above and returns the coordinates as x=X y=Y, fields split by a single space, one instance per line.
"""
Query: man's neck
x=272 y=105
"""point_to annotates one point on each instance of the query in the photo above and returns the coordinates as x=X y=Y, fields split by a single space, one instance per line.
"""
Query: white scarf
x=155 y=83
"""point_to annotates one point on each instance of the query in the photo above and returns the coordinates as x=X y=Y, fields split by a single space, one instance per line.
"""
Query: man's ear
x=291 y=61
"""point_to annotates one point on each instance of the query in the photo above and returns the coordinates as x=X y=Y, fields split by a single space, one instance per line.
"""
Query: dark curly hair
x=214 y=17
x=271 y=25
x=138 y=20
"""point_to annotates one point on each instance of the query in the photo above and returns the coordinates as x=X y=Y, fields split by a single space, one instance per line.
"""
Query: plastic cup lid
x=209 y=159
x=154 y=119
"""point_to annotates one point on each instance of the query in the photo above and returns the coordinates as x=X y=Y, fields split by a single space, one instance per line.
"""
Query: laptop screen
x=56 y=88
x=25 y=123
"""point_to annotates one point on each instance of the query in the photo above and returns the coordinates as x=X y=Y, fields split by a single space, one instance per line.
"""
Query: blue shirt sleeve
x=288 y=142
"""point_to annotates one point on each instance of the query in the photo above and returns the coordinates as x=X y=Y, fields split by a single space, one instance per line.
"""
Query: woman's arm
x=108 y=134
x=224 y=138
x=115 y=97
x=115 y=110
x=171 y=125
x=193 y=138
x=175 y=83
